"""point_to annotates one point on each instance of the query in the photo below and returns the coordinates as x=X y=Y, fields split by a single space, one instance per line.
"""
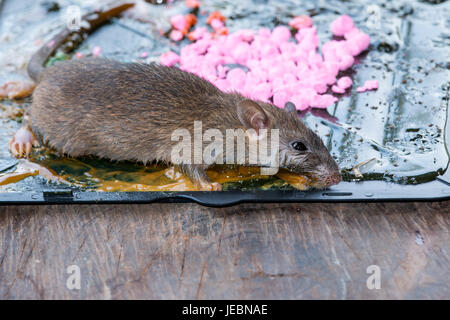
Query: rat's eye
x=299 y=146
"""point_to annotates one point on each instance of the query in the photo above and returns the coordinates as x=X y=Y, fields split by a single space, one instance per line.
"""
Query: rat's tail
x=90 y=22
x=37 y=61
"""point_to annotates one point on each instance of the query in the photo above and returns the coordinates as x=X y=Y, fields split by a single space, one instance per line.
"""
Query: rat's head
x=300 y=149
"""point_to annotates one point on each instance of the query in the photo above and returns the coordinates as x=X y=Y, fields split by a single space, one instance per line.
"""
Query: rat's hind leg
x=198 y=176
x=22 y=142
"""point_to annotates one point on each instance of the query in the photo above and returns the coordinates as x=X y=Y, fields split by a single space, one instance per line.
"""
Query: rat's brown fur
x=128 y=111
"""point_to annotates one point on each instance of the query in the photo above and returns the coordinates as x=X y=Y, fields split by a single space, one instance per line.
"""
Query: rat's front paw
x=212 y=186
x=22 y=143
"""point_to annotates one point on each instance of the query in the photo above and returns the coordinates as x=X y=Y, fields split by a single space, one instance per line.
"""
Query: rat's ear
x=290 y=107
x=252 y=115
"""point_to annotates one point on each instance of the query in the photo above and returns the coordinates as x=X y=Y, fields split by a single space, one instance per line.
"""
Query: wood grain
x=251 y=251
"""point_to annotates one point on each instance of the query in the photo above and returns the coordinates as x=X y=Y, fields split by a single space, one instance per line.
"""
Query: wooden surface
x=251 y=251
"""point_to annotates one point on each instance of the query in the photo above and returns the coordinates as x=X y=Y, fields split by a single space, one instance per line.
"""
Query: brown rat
x=128 y=111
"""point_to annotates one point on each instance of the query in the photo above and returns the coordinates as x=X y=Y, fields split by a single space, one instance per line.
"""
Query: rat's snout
x=333 y=179
x=325 y=179
x=328 y=175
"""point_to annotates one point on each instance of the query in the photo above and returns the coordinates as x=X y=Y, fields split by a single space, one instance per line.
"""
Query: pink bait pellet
x=341 y=25
x=264 y=32
x=368 y=85
x=176 y=35
x=337 y=89
x=245 y=35
x=169 y=58
x=96 y=51
x=280 y=34
x=237 y=77
x=217 y=24
x=345 y=82
x=179 y=22
x=371 y=84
